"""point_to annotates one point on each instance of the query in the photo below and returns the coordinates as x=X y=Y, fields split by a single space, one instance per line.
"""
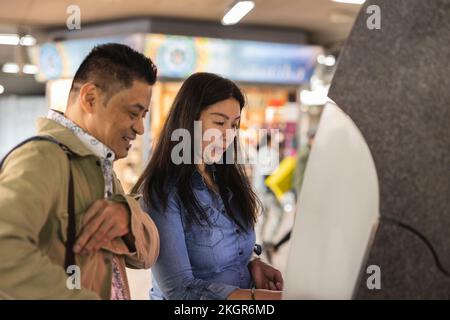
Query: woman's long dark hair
x=198 y=92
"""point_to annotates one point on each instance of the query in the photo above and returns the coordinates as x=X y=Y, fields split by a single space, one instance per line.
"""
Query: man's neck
x=72 y=116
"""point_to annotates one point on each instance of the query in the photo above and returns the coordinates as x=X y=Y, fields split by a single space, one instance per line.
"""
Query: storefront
x=270 y=74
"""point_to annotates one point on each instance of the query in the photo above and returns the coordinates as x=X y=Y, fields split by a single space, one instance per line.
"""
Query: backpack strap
x=71 y=227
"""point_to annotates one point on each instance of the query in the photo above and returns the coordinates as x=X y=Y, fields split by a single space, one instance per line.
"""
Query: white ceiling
x=326 y=20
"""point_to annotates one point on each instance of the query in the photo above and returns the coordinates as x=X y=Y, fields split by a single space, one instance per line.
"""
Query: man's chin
x=121 y=154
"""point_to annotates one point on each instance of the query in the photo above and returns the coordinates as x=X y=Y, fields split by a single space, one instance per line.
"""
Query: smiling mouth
x=128 y=140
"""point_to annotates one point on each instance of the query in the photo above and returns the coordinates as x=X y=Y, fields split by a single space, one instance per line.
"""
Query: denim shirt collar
x=199 y=183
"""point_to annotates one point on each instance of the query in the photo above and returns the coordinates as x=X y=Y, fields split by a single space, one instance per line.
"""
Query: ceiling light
x=237 y=12
x=2 y=89
x=350 y=1
x=330 y=61
x=10 y=67
x=30 y=69
x=321 y=59
x=9 y=39
x=14 y=39
x=28 y=40
x=315 y=97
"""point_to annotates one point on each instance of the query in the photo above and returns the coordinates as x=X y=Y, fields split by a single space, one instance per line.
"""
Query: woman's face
x=220 y=122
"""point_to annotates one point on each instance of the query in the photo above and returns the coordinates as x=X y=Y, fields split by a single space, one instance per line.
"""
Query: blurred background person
x=272 y=248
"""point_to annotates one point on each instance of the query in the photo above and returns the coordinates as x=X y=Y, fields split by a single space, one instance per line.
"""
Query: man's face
x=117 y=123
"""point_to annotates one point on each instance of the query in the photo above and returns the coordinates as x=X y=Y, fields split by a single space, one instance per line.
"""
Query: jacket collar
x=51 y=128
x=94 y=145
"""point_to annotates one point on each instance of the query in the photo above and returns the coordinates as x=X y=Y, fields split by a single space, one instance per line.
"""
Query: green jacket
x=33 y=221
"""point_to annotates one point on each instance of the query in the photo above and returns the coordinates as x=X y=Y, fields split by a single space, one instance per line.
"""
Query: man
x=108 y=101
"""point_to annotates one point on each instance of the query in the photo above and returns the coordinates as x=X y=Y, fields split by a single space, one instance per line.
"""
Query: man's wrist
x=127 y=238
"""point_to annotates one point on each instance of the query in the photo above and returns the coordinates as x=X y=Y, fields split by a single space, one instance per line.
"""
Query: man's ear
x=89 y=96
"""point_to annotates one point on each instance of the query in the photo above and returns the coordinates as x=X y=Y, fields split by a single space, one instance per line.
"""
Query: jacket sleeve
x=29 y=188
x=144 y=231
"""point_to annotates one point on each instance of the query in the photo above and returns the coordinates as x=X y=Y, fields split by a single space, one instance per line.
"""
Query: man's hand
x=102 y=222
x=265 y=276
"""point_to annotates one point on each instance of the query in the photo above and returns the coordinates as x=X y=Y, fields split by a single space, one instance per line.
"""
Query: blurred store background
x=282 y=53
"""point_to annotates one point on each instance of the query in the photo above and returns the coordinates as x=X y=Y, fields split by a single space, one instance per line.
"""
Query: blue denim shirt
x=200 y=262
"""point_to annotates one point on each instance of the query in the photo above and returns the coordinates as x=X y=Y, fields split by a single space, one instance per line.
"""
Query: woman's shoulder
x=155 y=199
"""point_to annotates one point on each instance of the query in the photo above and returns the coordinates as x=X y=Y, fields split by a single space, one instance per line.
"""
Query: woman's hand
x=265 y=276
x=260 y=294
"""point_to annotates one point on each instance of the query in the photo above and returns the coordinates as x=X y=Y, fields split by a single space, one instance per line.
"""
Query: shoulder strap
x=71 y=227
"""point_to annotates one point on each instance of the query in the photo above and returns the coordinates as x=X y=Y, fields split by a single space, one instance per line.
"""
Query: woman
x=205 y=210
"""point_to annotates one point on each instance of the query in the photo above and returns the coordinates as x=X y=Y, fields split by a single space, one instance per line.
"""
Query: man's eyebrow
x=140 y=106
x=223 y=115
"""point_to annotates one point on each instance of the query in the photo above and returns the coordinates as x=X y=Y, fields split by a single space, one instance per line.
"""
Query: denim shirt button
x=241 y=252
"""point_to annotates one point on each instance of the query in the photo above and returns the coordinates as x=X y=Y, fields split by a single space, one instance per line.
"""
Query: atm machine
x=375 y=202
x=337 y=215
